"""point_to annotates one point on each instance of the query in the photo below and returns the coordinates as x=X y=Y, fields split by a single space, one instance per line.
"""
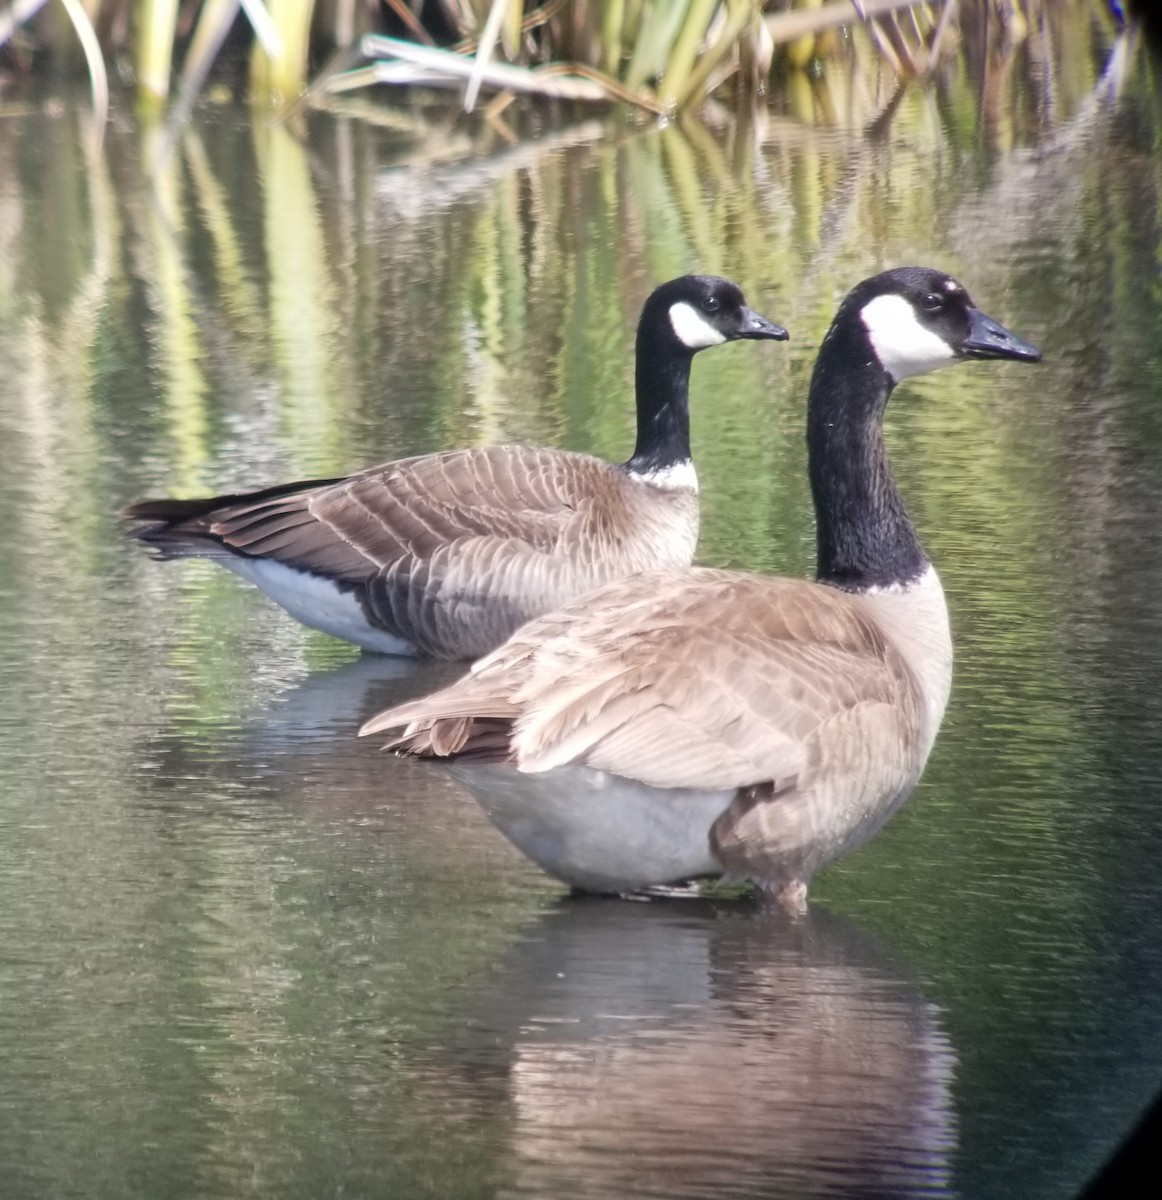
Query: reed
x=157 y=25
x=278 y=69
x=662 y=56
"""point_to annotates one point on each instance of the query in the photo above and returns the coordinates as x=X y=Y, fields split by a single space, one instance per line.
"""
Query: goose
x=692 y=722
x=443 y=556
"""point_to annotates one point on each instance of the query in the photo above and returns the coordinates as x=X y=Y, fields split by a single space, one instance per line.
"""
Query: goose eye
x=932 y=302
x=710 y=304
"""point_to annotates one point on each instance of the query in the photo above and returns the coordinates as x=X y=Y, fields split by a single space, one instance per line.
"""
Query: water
x=242 y=953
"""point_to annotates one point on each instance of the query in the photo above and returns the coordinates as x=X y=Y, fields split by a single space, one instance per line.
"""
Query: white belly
x=316 y=602
x=596 y=831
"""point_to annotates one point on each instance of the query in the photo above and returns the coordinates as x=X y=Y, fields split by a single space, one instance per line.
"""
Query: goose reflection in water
x=696 y=1049
x=672 y=1049
x=321 y=712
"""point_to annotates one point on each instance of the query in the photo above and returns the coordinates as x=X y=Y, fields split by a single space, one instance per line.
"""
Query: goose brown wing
x=352 y=528
x=688 y=679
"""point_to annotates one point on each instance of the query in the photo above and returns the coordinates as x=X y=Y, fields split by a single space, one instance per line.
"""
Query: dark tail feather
x=180 y=528
x=178 y=541
x=173 y=512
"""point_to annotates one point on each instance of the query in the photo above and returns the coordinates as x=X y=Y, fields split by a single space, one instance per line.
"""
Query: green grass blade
x=660 y=25
x=514 y=19
x=214 y=22
x=742 y=13
x=155 y=39
x=680 y=61
x=278 y=78
x=612 y=23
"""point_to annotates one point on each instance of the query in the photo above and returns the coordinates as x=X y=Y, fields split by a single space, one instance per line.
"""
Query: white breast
x=915 y=617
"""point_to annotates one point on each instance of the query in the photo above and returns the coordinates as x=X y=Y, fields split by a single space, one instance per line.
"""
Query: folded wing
x=678 y=679
x=348 y=529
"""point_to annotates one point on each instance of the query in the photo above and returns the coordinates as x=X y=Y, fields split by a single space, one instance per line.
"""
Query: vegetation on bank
x=659 y=56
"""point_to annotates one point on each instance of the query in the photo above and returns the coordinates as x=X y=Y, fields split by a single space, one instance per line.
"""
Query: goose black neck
x=864 y=536
x=663 y=401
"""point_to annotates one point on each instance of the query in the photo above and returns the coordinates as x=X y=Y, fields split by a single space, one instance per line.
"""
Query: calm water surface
x=242 y=954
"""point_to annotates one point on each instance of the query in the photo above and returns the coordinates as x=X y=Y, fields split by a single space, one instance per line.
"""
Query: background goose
x=445 y=555
x=693 y=722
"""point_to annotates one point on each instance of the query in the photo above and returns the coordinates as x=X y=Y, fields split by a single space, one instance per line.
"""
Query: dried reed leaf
x=98 y=79
x=498 y=76
x=16 y=14
x=483 y=55
x=787 y=26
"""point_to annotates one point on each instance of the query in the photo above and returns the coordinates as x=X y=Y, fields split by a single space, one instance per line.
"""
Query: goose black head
x=918 y=319
x=698 y=311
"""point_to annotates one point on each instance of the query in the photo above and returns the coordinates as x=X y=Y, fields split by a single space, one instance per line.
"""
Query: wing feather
x=688 y=679
x=349 y=529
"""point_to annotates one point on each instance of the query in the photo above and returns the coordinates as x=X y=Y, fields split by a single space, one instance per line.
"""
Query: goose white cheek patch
x=692 y=328
x=903 y=346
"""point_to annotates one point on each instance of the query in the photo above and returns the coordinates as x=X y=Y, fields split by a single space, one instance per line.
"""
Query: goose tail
x=188 y=528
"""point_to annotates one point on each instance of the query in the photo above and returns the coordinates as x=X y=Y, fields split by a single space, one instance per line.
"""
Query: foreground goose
x=684 y=723
x=445 y=555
